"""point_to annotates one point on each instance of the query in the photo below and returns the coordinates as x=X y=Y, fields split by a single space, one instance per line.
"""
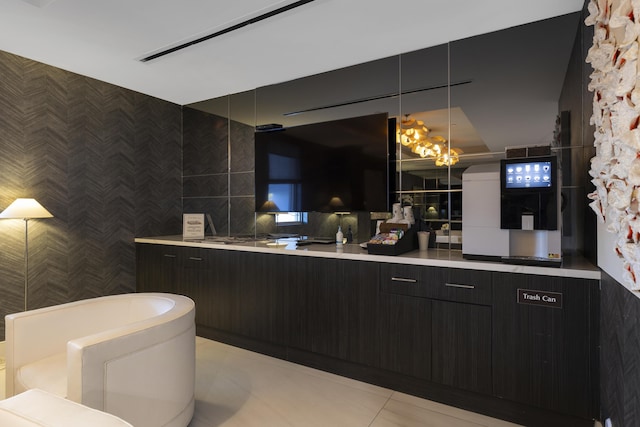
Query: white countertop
x=575 y=267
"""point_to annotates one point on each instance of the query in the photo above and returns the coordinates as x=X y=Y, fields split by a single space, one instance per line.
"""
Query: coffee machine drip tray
x=532 y=260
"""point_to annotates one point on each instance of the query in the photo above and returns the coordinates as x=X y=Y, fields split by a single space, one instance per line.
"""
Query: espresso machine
x=511 y=211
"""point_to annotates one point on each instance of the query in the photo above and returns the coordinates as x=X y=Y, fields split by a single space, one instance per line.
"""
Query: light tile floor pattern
x=235 y=388
x=239 y=388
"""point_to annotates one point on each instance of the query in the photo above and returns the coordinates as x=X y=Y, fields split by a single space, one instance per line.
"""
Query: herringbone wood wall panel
x=104 y=160
x=620 y=346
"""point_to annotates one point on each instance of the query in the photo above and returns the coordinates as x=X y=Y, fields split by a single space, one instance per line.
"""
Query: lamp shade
x=269 y=206
x=25 y=209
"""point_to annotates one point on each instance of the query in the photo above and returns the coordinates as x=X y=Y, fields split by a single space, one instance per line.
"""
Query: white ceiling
x=106 y=39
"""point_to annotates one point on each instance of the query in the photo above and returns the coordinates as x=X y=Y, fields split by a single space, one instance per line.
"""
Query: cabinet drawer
x=411 y=280
x=437 y=283
x=196 y=258
x=157 y=254
x=176 y=254
x=470 y=286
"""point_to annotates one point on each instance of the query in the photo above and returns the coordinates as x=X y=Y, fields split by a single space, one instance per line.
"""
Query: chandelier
x=414 y=135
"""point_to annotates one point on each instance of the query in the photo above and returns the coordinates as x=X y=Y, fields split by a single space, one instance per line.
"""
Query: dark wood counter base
x=514 y=346
x=487 y=405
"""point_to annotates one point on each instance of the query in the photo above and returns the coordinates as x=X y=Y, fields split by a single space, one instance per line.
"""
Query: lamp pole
x=25 y=209
x=26 y=261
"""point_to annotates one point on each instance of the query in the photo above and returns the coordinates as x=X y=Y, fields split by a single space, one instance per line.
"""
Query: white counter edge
x=432 y=257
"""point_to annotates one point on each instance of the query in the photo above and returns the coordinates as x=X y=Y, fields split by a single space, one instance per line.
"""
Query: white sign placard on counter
x=193 y=226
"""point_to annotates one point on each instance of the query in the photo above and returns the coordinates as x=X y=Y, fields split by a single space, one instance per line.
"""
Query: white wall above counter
x=572 y=266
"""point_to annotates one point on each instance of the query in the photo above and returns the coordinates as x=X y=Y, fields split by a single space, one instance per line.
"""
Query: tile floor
x=239 y=388
x=235 y=387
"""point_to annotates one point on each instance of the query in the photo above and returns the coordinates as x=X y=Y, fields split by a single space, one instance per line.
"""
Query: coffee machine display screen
x=527 y=174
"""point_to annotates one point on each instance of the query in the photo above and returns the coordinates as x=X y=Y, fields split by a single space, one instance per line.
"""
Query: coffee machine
x=511 y=211
x=482 y=237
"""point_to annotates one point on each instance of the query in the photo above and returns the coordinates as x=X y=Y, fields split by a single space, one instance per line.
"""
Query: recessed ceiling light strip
x=376 y=98
x=227 y=30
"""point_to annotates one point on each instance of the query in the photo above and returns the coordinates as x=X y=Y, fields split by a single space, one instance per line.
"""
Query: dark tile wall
x=619 y=354
x=104 y=160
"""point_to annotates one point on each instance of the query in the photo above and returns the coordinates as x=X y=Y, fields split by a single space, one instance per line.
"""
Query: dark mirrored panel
x=355 y=91
x=423 y=135
x=205 y=182
x=468 y=99
x=241 y=163
x=516 y=78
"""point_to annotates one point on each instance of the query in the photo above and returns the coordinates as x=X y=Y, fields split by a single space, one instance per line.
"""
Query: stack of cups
x=423 y=240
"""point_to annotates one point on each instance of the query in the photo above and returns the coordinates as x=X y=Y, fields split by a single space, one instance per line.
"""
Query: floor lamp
x=25 y=209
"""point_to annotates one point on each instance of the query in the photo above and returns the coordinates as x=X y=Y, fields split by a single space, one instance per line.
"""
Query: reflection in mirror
x=219 y=139
x=480 y=94
x=423 y=136
x=216 y=106
x=352 y=92
x=517 y=76
x=424 y=102
x=241 y=163
x=504 y=91
x=355 y=91
x=205 y=160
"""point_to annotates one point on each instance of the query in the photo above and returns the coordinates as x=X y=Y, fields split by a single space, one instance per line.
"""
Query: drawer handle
x=193 y=258
x=402 y=279
x=169 y=255
x=455 y=285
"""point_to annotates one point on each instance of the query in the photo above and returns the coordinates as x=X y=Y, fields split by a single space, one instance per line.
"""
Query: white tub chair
x=130 y=355
x=37 y=408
